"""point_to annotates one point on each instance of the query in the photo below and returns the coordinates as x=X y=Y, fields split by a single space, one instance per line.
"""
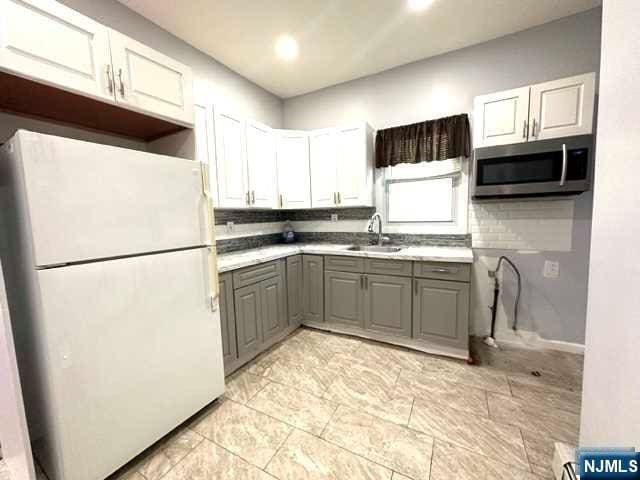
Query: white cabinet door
x=261 y=163
x=52 y=44
x=501 y=118
x=205 y=145
x=354 y=166
x=322 y=160
x=562 y=108
x=150 y=82
x=293 y=169
x=231 y=161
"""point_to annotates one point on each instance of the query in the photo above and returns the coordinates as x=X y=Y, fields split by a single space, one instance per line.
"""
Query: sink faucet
x=381 y=239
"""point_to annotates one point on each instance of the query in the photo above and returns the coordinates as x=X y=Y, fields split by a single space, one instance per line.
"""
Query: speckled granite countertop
x=245 y=258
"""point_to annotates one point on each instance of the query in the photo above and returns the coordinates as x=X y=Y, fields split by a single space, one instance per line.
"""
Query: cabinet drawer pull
x=441 y=270
x=253 y=197
x=361 y=282
x=339 y=199
x=366 y=282
x=247 y=198
x=281 y=201
x=415 y=286
x=524 y=129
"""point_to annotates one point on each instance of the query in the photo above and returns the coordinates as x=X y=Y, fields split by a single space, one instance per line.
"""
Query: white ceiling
x=340 y=40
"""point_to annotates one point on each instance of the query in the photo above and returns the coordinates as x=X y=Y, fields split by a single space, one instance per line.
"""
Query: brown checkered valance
x=439 y=139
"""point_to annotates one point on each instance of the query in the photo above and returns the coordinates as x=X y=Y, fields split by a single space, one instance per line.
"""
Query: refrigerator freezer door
x=134 y=350
x=88 y=201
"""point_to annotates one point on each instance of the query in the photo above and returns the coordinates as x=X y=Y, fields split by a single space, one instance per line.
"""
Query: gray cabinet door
x=227 y=319
x=441 y=312
x=343 y=298
x=272 y=297
x=387 y=304
x=313 y=288
x=248 y=314
x=294 y=289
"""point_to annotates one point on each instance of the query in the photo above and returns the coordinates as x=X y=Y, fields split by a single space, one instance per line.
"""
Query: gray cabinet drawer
x=460 y=272
x=388 y=267
x=257 y=273
x=344 y=264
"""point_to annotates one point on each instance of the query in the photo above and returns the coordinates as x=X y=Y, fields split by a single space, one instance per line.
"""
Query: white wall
x=446 y=85
x=611 y=395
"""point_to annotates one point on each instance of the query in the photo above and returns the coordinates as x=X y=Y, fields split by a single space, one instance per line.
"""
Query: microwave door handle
x=563 y=176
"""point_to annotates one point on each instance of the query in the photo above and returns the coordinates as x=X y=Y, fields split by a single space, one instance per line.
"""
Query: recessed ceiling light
x=417 y=5
x=287 y=47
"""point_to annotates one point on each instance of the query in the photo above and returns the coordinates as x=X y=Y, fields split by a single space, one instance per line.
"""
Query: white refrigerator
x=110 y=267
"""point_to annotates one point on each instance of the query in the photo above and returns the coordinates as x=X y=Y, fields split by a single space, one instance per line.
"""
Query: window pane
x=429 y=200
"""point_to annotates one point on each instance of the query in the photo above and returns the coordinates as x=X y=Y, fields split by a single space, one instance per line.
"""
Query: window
x=420 y=200
x=431 y=196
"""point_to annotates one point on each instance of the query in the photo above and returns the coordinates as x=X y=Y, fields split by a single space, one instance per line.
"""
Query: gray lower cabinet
x=343 y=298
x=248 y=306
x=227 y=319
x=387 y=304
x=272 y=314
x=295 y=289
x=313 y=288
x=441 y=312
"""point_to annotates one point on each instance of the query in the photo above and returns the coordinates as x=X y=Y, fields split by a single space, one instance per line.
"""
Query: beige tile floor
x=327 y=407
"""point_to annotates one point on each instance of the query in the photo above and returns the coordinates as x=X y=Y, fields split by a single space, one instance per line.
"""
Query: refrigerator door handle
x=211 y=240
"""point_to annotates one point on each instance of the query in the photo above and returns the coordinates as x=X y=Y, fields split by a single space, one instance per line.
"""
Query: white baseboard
x=527 y=339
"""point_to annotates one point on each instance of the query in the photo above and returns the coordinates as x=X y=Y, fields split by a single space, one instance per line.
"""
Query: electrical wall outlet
x=334 y=217
x=230 y=226
x=551 y=269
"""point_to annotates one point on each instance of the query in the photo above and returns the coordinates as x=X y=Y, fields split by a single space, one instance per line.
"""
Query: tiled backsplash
x=227 y=245
x=237 y=216
x=522 y=225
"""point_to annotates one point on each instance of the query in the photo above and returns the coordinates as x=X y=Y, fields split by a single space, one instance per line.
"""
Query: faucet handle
x=385 y=239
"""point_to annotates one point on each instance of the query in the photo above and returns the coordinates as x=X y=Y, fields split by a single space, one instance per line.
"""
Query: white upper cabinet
x=324 y=175
x=293 y=169
x=501 y=118
x=231 y=162
x=354 y=147
x=49 y=43
x=45 y=41
x=341 y=166
x=261 y=165
x=562 y=108
x=148 y=81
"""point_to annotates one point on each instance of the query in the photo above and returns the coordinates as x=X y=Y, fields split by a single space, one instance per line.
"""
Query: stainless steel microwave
x=560 y=166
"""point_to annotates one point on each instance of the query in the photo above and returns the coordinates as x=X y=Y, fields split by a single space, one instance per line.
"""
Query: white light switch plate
x=551 y=269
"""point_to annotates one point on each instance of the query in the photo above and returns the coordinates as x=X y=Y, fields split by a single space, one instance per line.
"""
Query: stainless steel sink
x=373 y=248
